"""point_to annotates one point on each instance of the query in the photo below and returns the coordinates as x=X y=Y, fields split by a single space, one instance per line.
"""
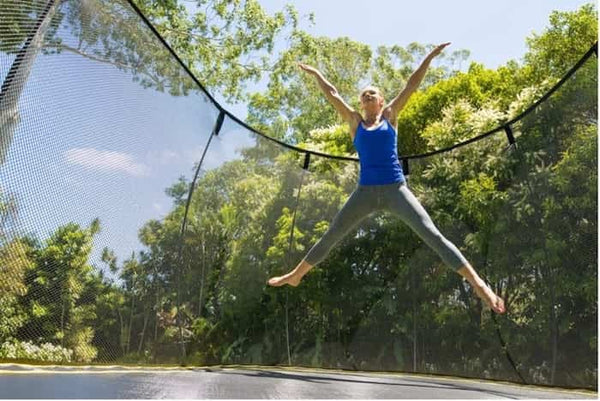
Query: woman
x=382 y=185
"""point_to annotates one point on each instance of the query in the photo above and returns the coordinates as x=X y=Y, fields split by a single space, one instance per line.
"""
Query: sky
x=91 y=142
x=493 y=31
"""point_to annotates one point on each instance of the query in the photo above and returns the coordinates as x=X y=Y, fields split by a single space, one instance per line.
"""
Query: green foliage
x=55 y=301
x=561 y=44
x=14 y=265
x=225 y=44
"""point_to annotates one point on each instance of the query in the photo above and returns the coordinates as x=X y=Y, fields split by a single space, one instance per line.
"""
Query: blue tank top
x=378 y=155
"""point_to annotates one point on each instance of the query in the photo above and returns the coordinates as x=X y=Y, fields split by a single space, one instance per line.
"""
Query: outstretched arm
x=413 y=83
x=331 y=93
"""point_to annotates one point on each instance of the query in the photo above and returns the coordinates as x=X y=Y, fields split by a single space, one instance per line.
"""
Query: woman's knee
x=333 y=234
x=432 y=235
x=435 y=239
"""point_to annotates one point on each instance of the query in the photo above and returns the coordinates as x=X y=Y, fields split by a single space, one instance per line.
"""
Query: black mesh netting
x=118 y=246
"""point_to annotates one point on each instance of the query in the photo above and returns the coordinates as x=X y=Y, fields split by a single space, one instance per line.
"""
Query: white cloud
x=194 y=155
x=107 y=161
x=181 y=158
x=163 y=157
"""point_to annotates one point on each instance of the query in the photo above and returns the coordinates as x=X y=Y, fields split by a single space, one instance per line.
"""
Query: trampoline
x=140 y=220
x=248 y=382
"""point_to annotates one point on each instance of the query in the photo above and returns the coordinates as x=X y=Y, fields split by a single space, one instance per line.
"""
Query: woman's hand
x=438 y=50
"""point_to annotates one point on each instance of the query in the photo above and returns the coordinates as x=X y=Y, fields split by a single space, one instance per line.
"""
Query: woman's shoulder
x=387 y=115
x=355 y=121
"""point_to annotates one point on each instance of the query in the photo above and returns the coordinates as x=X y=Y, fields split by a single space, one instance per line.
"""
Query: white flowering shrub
x=462 y=121
x=527 y=97
x=27 y=350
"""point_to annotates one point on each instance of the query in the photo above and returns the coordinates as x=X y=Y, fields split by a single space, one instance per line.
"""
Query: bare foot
x=490 y=298
x=290 y=278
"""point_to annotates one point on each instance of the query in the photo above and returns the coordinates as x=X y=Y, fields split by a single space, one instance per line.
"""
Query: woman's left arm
x=397 y=104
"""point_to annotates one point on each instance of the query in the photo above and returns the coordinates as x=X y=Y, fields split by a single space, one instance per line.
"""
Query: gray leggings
x=396 y=198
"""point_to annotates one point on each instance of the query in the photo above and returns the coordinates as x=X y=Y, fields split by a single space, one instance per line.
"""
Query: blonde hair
x=366 y=88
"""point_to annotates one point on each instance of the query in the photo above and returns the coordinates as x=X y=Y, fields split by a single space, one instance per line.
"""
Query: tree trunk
x=146 y=316
x=218 y=285
x=121 y=343
x=553 y=324
x=127 y=344
x=414 y=337
x=414 y=302
x=287 y=329
x=157 y=309
x=202 y=278
x=554 y=345
x=553 y=319
x=62 y=323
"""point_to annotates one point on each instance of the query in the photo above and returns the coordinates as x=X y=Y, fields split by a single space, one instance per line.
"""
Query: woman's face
x=371 y=99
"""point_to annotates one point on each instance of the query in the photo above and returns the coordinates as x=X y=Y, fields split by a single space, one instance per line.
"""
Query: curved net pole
x=592 y=50
x=15 y=80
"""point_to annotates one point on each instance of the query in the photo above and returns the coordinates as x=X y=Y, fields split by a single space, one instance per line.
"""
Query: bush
x=27 y=350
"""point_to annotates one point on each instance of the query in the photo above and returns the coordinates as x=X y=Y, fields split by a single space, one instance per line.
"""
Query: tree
x=56 y=287
x=15 y=262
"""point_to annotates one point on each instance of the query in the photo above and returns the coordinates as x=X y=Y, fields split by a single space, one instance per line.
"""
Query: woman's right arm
x=331 y=93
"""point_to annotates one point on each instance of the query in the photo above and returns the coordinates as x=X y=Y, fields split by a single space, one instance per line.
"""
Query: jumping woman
x=382 y=185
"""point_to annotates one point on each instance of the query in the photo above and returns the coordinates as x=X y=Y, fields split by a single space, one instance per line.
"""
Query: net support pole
x=291 y=241
x=405 y=167
x=512 y=143
x=304 y=169
x=216 y=129
x=15 y=80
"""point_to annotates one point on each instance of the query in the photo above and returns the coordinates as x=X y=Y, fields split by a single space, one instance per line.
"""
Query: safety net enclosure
x=139 y=222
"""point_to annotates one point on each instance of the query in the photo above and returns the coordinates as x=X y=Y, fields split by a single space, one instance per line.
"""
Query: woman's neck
x=372 y=119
